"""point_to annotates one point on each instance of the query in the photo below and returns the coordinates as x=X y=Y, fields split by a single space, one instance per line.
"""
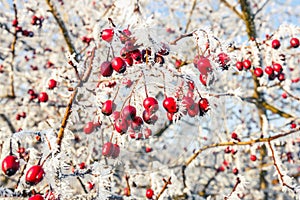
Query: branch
x=181 y=37
x=167 y=182
x=63 y=125
x=190 y=16
x=260 y=9
x=242 y=143
x=278 y=170
x=11 y=127
x=238 y=181
x=233 y=9
x=13 y=49
x=64 y=31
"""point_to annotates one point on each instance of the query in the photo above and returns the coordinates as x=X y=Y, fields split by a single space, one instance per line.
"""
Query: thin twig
x=167 y=182
x=260 y=9
x=190 y=16
x=64 y=31
x=82 y=185
x=63 y=125
x=11 y=127
x=233 y=8
x=13 y=49
x=238 y=181
x=278 y=170
x=242 y=143
x=181 y=37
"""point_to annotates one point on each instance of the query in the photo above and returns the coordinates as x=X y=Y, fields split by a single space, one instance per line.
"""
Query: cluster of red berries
x=42 y=97
x=294 y=42
x=20 y=115
x=193 y=108
x=87 y=40
x=275 y=71
x=11 y=164
x=129 y=54
x=90 y=127
x=111 y=150
x=18 y=29
x=37 y=21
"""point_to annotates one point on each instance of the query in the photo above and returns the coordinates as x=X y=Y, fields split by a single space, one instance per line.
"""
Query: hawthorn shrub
x=149 y=100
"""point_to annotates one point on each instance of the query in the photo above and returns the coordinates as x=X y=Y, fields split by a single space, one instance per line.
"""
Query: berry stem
x=23 y=170
x=82 y=185
x=238 y=181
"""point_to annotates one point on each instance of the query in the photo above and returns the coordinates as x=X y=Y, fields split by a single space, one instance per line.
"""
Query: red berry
x=106 y=69
x=89 y=128
x=277 y=67
x=247 y=64
x=118 y=64
x=52 y=84
x=275 y=44
x=203 y=79
x=150 y=103
x=18 y=117
x=149 y=117
x=235 y=171
x=294 y=42
x=107 y=149
x=204 y=65
x=284 y=95
x=258 y=72
x=136 y=123
x=116 y=151
x=10 y=165
x=227 y=150
x=149 y=193
x=253 y=157
x=136 y=55
x=81 y=165
x=148 y=149
x=234 y=136
x=116 y=115
x=239 y=66
x=223 y=59
x=281 y=77
x=128 y=61
x=43 y=97
x=34 y=175
x=147 y=133
x=178 y=63
x=125 y=35
x=193 y=110
x=36 y=197
x=108 y=107
x=293 y=125
x=128 y=112
x=221 y=169
x=269 y=70
x=91 y=185
x=107 y=34
x=121 y=125
x=203 y=104
x=170 y=105
x=14 y=22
